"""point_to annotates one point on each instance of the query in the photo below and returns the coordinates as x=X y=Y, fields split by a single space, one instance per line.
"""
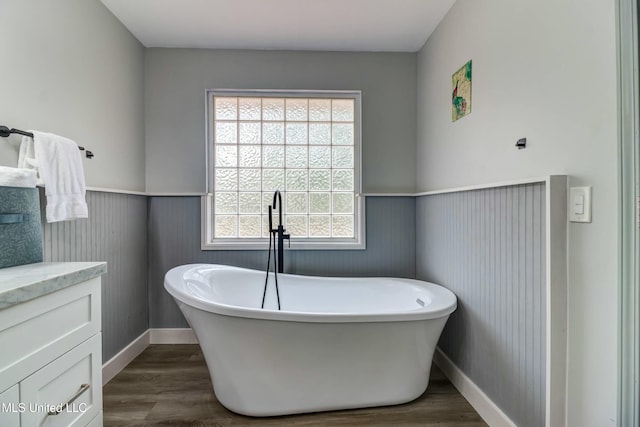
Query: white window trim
x=206 y=228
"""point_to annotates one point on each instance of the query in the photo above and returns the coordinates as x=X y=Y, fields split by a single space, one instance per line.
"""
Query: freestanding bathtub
x=336 y=343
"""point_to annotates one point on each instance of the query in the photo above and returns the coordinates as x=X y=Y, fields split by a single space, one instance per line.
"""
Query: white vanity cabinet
x=50 y=345
x=9 y=410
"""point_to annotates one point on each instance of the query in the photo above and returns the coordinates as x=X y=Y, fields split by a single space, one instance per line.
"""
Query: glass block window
x=305 y=144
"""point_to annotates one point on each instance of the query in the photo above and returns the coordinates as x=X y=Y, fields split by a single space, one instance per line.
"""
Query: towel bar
x=5 y=132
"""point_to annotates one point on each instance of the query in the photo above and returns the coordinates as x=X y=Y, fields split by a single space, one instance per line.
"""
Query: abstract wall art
x=461 y=95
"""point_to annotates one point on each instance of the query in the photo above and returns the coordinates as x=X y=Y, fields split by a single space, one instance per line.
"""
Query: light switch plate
x=579 y=205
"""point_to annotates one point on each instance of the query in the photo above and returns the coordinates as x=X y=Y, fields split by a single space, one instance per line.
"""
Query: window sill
x=250 y=245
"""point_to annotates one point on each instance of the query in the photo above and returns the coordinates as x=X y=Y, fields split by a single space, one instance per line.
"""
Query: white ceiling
x=345 y=25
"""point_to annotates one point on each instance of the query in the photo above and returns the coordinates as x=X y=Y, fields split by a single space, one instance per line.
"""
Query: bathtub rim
x=176 y=274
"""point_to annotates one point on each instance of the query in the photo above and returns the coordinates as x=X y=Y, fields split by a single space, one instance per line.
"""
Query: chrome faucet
x=279 y=231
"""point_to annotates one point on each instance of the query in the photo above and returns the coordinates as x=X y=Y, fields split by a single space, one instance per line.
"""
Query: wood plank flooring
x=169 y=385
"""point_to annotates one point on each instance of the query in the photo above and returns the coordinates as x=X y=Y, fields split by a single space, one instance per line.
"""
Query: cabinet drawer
x=10 y=407
x=38 y=331
x=70 y=385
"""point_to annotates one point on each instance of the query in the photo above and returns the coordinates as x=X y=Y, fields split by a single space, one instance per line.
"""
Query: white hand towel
x=17 y=177
x=59 y=164
x=27 y=158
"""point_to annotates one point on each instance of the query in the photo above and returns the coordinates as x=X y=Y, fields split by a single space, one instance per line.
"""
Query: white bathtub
x=337 y=343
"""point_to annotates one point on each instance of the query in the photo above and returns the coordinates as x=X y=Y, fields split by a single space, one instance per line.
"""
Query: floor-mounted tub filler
x=336 y=343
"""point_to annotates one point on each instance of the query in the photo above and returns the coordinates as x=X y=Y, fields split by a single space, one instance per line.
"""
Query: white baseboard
x=172 y=336
x=118 y=362
x=485 y=407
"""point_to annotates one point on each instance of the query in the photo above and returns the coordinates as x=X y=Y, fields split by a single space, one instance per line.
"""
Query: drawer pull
x=83 y=388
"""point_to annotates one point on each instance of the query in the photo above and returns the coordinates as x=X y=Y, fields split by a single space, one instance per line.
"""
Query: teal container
x=20 y=226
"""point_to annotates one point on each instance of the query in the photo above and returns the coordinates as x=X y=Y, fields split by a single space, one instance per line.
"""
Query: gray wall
x=174 y=239
x=545 y=71
x=71 y=68
x=176 y=80
x=116 y=232
x=488 y=247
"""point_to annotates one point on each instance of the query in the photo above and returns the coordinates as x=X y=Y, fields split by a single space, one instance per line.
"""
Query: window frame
x=358 y=242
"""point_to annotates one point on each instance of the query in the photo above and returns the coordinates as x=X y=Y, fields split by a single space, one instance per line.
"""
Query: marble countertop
x=30 y=281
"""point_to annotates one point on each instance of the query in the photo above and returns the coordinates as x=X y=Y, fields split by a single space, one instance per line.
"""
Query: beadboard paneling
x=174 y=239
x=116 y=232
x=488 y=247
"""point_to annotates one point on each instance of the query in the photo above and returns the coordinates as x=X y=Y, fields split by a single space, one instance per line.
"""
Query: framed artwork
x=461 y=95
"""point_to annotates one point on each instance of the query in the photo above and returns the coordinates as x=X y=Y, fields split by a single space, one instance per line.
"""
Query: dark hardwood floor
x=169 y=385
